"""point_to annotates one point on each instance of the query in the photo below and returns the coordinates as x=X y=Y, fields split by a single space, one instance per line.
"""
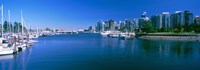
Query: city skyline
x=185 y=21
x=79 y=14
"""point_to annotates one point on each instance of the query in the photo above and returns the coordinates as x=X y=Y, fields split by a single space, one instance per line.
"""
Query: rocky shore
x=178 y=37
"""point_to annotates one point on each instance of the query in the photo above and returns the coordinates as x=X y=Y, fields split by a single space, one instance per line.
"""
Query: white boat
x=33 y=36
x=6 y=50
x=114 y=35
x=127 y=36
x=105 y=33
x=33 y=41
x=21 y=47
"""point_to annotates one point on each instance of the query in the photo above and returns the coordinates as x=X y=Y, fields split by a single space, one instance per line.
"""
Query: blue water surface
x=95 y=52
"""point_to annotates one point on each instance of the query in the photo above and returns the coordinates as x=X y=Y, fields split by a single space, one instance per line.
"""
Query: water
x=94 y=52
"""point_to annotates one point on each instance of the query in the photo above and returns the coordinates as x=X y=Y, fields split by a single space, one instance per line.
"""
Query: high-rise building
x=129 y=24
x=122 y=25
x=177 y=19
x=166 y=20
x=111 y=24
x=157 y=21
x=188 y=18
x=90 y=28
x=197 y=20
x=143 y=19
x=100 y=26
x=180 y=17
x=136 y=23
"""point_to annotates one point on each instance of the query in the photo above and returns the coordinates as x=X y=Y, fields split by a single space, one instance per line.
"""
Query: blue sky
x=79 y=14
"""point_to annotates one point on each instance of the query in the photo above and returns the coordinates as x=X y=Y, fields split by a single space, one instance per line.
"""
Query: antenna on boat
x=2 y=20
x=22 y=23
x=9 y=23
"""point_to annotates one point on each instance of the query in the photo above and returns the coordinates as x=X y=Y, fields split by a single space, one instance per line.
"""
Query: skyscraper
x=177 y=19
x=129 y=24
x=111 y=24
x=143 y=19
x=122 y=25
x=188 y=18
x=157 y=21
x=197 y=20
x=136 y=23
x=166 y=20
x=100 y=26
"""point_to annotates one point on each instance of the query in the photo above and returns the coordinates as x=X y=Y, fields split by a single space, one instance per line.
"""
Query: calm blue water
x=94 y=52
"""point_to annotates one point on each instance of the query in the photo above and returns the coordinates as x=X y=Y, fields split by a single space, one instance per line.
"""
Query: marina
x=11 y=42
x=99 y=35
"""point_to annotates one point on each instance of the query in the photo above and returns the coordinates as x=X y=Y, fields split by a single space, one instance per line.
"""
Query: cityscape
x=122 y=35
x=164 y=22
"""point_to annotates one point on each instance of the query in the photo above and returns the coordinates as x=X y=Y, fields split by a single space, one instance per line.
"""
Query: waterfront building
x=157 y=21
x=122 y=25
x=90 y=28
x=177 y=19
x=166 y=20
x=111 y=24
x=143 y=19
x=129 y=24
x=197 y=20
x=106 y=26
x=116 y=25
x=136 y=23
x=188 y=18
x=100 y=26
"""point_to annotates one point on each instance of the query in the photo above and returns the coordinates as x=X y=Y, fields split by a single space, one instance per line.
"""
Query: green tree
x=148 y=27
x=182 y=29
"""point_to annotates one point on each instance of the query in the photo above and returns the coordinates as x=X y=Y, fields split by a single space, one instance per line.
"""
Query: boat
x=127 y=36
x=5 y=51
x=4 y=48
x=114 y=35
x=105 y=33
x=21 y=47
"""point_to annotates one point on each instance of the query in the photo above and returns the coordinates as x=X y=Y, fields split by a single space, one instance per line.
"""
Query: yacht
x=127 y=36
x=105 y=33
x=5 y=48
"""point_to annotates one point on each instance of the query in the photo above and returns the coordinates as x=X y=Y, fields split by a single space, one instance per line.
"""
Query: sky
x=80 y=14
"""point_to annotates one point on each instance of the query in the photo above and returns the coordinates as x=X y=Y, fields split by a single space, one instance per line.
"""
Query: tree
x=182 y=29
x=148 y=27
x=5 y=26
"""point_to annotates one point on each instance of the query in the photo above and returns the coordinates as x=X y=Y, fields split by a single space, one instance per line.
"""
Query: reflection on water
x=168 y=48
x=94 y=52
x=15 y=62
x=184 y=49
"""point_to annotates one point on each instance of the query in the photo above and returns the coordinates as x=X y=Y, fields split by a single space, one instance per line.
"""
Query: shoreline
x=169 y=36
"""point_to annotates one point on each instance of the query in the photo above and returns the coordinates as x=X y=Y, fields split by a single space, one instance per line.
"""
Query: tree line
x=149 y=28
x=15 y=27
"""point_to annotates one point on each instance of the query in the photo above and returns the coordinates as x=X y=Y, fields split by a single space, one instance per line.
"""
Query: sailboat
x=21 y=45
x=4 y=48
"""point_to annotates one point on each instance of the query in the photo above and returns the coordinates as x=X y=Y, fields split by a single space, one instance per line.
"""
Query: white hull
x=105 y=33
x=33 y=41
x=6 y=52
x=114 y=36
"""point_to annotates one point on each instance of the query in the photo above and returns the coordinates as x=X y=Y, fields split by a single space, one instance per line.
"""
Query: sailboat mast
x=2 y=20
x=22 y=23
x=9 y=23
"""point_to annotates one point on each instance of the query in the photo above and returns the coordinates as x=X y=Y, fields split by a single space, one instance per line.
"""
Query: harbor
x=99 y=35
x=86 y=51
